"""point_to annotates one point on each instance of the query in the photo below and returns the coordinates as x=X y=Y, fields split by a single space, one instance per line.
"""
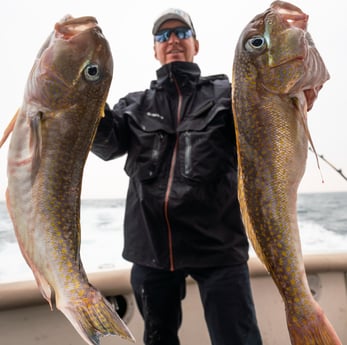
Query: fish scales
x=277 y=74
x=51 y=137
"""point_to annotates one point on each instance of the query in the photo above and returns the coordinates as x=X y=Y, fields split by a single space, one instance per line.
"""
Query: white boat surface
x=26 y=318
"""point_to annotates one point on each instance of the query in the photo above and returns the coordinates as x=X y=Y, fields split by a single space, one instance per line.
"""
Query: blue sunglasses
x=181 y=33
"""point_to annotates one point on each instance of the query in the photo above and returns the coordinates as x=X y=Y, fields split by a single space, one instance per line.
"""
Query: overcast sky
x=127 y=25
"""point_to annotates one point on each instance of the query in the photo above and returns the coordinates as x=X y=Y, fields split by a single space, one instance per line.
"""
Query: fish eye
x=92 y=72
x=255 y=43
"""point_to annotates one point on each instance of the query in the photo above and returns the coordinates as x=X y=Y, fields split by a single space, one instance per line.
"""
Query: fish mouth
x=290 y=14
x=286 y=25
x=69 y=26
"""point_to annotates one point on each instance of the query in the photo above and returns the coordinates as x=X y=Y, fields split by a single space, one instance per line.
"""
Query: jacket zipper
x=170 y=180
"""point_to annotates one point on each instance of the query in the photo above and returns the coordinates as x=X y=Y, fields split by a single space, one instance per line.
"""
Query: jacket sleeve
x=112 y=135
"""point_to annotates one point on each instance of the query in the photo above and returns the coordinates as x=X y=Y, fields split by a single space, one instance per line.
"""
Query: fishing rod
x=339 y=171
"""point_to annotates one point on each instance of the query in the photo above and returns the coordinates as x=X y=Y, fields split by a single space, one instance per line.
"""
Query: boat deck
x=25 y=318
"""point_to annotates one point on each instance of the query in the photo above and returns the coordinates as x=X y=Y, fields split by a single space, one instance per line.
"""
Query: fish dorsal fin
x=9 y=128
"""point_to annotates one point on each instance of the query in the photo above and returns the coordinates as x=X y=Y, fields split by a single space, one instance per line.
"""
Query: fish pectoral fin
x=35 y=140
x=9 y=128
x=92 y=316
x=301 y=103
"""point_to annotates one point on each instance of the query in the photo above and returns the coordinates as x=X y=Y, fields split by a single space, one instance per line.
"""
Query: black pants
x=225 y=294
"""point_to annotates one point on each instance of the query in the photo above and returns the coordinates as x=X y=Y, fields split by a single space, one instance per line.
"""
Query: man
x=182 y=214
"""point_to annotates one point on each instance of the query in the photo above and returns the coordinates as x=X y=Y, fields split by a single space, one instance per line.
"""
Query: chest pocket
x=207 y=144
x=149 y=144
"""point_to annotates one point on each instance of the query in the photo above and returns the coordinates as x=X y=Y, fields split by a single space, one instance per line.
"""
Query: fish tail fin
x=316 y=330
x=93 y=317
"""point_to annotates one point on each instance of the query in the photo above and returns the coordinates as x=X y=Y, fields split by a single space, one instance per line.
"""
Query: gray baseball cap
x=173 y=14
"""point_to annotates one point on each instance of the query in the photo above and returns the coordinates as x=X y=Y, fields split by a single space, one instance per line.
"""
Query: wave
x=322 y=223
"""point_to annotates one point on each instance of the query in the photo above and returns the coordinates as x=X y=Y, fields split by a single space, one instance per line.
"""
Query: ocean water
x=322 y=221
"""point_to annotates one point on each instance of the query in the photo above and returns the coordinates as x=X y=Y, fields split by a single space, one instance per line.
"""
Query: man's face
x=175 y=49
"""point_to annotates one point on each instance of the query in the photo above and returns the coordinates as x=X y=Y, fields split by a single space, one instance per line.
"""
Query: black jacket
x=181 y=208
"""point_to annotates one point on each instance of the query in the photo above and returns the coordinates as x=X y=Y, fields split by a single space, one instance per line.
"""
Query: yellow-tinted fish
x=52 y=135
x=277 y=74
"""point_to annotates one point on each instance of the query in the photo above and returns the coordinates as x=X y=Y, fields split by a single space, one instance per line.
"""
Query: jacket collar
x=186 y=74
